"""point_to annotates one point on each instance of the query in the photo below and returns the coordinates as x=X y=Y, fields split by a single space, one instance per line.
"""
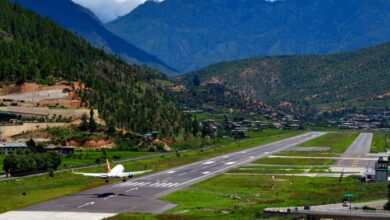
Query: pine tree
x=84 y=122
x=92 y=122
x=195 y=127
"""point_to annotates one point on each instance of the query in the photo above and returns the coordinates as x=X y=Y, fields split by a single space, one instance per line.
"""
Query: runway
x=355 y=154
x=141 y=194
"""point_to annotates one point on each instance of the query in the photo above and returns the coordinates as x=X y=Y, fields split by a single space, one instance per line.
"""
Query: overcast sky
x=108 y=10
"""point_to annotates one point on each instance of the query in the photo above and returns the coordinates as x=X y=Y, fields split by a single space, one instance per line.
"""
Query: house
x=5 y=148
x=294 y=126
x=277 y=125
x=62 y=150
x=6 y=117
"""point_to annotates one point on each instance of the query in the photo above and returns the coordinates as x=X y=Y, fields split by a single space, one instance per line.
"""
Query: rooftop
x=13 y=145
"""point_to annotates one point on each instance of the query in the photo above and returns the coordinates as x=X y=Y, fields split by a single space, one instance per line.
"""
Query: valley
x=194 y=109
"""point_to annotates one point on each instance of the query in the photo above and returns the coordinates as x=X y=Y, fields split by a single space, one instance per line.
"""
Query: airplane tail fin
x=108 y=166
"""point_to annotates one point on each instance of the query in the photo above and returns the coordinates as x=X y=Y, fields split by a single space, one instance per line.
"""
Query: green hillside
x=35 y=49
x=360 y=78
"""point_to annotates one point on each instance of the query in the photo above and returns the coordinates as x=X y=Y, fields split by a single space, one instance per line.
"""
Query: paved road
x=141 y=194
x=358 y=149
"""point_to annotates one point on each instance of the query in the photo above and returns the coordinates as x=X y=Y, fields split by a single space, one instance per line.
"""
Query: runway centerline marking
x=86 y=204
x=208 y=162
x=230 y=163
x=242 y=162
x=206 y=172
x=132 y=189
x=110 y=197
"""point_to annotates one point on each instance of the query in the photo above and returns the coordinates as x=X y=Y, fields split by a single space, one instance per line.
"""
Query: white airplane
x=116 y=172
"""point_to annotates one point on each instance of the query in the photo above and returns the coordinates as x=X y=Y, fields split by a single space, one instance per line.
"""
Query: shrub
x=98 y=160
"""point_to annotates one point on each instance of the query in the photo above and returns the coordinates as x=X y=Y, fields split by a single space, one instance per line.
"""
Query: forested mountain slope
x=35 y=49
x=190 y=34
x=348 y=78
x=84 y=23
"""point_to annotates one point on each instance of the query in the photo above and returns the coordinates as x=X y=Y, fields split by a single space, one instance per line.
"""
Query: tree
x=9 y=164
x=92 y=122
x=196 y=81
x=54 y=160
x=84 y=122
x=195 y=127
x=31 y=145
x=104 y=154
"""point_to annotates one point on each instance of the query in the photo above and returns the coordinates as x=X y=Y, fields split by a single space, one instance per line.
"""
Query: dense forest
x=84 y=23
x=35 y=49
x=359 y=78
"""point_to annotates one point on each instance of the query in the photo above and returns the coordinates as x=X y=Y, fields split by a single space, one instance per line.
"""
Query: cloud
x=108 y=10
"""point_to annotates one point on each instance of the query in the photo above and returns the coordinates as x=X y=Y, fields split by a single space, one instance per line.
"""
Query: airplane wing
x=93 y=174
x=135 y=173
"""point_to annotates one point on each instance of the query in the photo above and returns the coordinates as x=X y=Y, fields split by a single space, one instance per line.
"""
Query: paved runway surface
x=358 y=149
x=141 y=194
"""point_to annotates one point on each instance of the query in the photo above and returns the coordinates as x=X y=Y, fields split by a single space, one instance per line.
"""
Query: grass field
x=39 y=189
x=80 y=158
x=244 y=197
x=380 y=142
x=338 y=142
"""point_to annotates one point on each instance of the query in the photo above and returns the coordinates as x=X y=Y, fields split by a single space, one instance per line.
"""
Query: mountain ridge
x=84 y=23
x=190 y=34
x=351 y=78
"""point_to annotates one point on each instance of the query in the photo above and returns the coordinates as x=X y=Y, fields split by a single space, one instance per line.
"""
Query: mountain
x=34 y=49
x=189 y=34
x=360 y=78
x=84 y=23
